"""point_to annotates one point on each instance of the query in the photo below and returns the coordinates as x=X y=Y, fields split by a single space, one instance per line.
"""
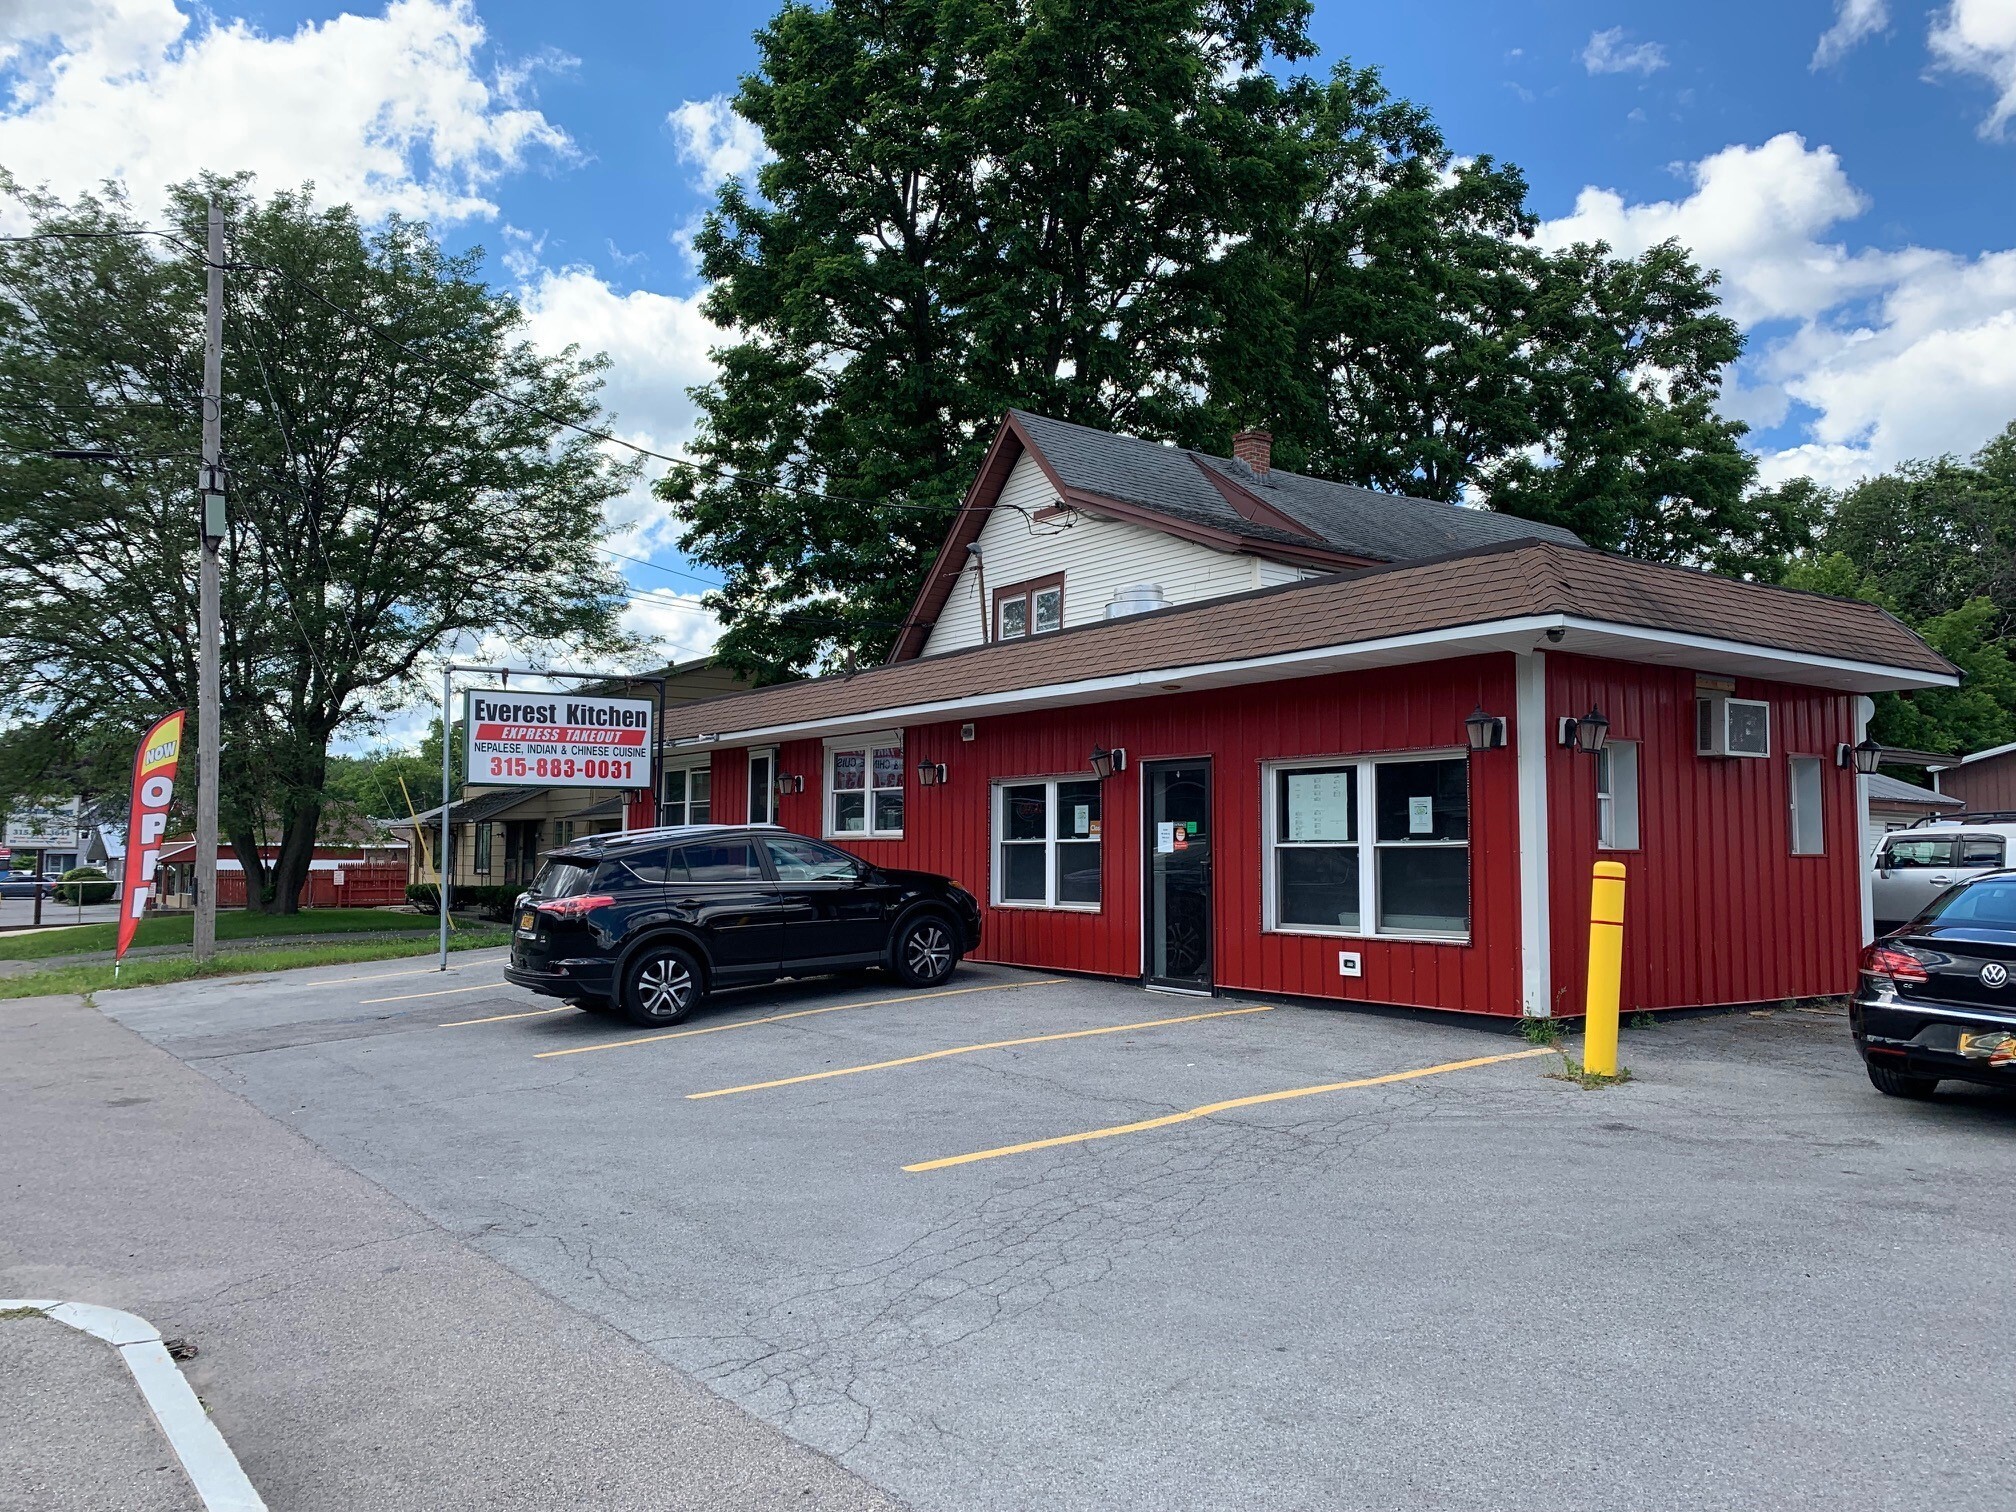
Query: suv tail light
x=574 y=908
x=1881 y=960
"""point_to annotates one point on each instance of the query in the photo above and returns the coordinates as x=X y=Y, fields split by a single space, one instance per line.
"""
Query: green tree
x=401 y=475
x=1113 y=214
x=1981 y=712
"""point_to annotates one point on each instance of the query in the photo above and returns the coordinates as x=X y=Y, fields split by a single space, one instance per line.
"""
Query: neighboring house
x=339 y=876
x=1984 y=781
x=1067 y=526
x=1895 y=805
x=1362 y=785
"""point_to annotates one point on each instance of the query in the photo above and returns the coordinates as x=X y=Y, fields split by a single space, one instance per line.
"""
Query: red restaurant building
x=1366 y=779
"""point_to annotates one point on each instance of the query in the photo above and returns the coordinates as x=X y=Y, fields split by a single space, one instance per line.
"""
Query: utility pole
x=208 y=698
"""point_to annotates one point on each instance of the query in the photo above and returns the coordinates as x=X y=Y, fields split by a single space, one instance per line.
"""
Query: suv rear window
x=1980 y=850
x=717 y=861
x=562 y=879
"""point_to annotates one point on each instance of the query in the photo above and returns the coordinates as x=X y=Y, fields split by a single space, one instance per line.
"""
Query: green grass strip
x=154 y=971
x=232 y=924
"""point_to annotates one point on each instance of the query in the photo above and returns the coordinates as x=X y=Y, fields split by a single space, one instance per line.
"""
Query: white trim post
x=1536 y=966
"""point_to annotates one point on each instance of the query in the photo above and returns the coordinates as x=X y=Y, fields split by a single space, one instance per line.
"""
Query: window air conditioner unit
x=1732 y=727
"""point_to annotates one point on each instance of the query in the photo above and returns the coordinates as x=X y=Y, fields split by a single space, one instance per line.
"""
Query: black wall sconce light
x=1485 y=732
x=1105 y=763
x=930 y=774
x=1587 y=733
x=1865 y=758
x=790 y=782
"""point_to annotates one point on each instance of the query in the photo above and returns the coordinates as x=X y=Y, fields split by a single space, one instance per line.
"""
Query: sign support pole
x=444 y=871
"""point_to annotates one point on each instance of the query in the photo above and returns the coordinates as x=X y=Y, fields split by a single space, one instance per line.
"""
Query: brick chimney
x=1255 y=448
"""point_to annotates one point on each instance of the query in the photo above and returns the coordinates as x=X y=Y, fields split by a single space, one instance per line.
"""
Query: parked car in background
x=652 y=921
x=23 y=884
x=1937 y=998
x=1914 y=866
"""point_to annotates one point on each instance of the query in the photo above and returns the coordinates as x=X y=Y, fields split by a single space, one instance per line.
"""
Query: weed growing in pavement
x=1541 y=1031
x=1572 y=1070
x=1644 y=1021
x=13 y=1314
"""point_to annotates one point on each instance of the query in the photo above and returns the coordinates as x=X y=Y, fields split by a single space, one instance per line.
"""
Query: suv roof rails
x=1986 y=816
x=620 y=837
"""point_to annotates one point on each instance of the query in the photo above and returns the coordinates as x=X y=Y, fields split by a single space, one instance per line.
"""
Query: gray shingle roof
x=1360 y=521
x=1886 y=789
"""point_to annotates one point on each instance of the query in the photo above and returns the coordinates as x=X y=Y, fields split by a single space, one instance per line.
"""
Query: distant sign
x=556 y=740
x=43 y=828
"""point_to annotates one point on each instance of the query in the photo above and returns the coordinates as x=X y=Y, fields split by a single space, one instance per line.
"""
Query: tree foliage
x=1934 y=542
x=1116 y=215
x=399 y=476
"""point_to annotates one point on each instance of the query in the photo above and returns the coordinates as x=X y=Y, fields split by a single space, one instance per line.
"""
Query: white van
x=1913 y=866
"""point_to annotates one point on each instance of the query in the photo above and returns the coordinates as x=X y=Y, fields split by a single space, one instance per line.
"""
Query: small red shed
x=1293 y=774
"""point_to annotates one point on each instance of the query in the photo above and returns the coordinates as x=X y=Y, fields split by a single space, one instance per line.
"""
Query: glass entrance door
x=1178 y=869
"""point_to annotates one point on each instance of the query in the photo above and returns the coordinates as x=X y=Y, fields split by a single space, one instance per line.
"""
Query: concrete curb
x=212 y=1468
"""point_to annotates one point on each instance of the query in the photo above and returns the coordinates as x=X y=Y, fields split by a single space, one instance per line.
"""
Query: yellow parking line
x=778 y=1018
x=498 y=1018
x=407 y=997
x=1143 y=1125
x=930 y=1055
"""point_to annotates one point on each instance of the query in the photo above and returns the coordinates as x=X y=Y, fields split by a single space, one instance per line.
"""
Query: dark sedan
x=653 y=920
x=1936 y=1000
x=23 y=884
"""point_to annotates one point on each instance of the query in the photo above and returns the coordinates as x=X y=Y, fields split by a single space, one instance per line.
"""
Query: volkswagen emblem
x=1994 y=974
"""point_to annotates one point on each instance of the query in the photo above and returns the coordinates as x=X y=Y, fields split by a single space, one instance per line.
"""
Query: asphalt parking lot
x=1029 y=1241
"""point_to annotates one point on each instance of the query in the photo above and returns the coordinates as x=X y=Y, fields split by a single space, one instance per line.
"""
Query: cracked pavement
x=1485 y=1289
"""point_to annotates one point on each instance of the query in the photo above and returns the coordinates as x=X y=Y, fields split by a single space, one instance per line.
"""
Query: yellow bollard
x=1606 y=966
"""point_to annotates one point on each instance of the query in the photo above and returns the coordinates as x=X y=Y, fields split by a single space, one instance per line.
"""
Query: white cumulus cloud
x=1855 y=21
x=1887 y=353
x=1979 y=37
x=389 y=113
x=1608 y=53
x=717 y=142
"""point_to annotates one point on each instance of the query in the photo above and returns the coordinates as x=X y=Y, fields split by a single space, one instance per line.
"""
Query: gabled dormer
x=1066 y=525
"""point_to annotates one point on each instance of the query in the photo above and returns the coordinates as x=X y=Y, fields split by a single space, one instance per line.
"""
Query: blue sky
x=1849 y=164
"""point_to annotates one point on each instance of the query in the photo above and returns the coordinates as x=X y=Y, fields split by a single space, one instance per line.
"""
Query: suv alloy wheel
x=662 y=986
x=925 y=951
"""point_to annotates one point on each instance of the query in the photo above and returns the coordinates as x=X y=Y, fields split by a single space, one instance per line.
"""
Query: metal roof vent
x=1136 y=598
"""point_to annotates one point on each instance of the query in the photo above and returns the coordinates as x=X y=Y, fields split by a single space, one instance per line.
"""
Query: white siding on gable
x=1097 y=557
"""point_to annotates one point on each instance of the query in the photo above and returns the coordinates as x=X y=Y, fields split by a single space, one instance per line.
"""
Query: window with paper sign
x=1047 y=843
x=1369 y=847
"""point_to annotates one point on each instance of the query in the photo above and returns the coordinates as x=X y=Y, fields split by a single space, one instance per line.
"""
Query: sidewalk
x=79 y=1437
x=352 y=1353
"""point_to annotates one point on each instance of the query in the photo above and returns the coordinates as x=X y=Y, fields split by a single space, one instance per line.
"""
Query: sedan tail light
x=574 y=908
x=1881 y=960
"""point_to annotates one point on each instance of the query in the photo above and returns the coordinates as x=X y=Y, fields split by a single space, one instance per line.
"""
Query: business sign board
x=555 y=740
x=43 y=828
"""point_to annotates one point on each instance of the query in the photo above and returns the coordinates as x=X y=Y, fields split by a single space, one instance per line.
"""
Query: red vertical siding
x=1717 y=908
x=1984 y=786
x=1397 y=709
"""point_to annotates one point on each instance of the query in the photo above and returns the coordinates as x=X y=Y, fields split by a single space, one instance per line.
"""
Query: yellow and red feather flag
x=154 y=767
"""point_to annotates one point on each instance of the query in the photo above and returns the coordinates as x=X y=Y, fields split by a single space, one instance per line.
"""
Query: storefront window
x=1047 y=843
x=866 y=787
x=689 y=796
x=1416 y=871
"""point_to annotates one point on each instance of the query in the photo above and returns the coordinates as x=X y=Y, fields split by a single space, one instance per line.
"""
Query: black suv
x=1937 y=998
x=651 y=921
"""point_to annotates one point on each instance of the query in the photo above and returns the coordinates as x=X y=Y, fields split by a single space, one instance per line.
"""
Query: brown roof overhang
x=1521 y=595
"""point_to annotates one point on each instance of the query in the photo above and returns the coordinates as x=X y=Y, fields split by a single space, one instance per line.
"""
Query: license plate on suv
x=528 y=922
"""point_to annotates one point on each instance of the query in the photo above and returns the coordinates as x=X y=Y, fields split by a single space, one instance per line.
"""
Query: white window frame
x=768 y=756
x=1368 y=844
x=866 y=745
x=997 y=831
x=1617 y=809
x=1795 y=813
x=683 y=771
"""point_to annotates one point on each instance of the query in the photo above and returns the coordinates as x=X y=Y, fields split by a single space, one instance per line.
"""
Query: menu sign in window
x=1321 y=806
